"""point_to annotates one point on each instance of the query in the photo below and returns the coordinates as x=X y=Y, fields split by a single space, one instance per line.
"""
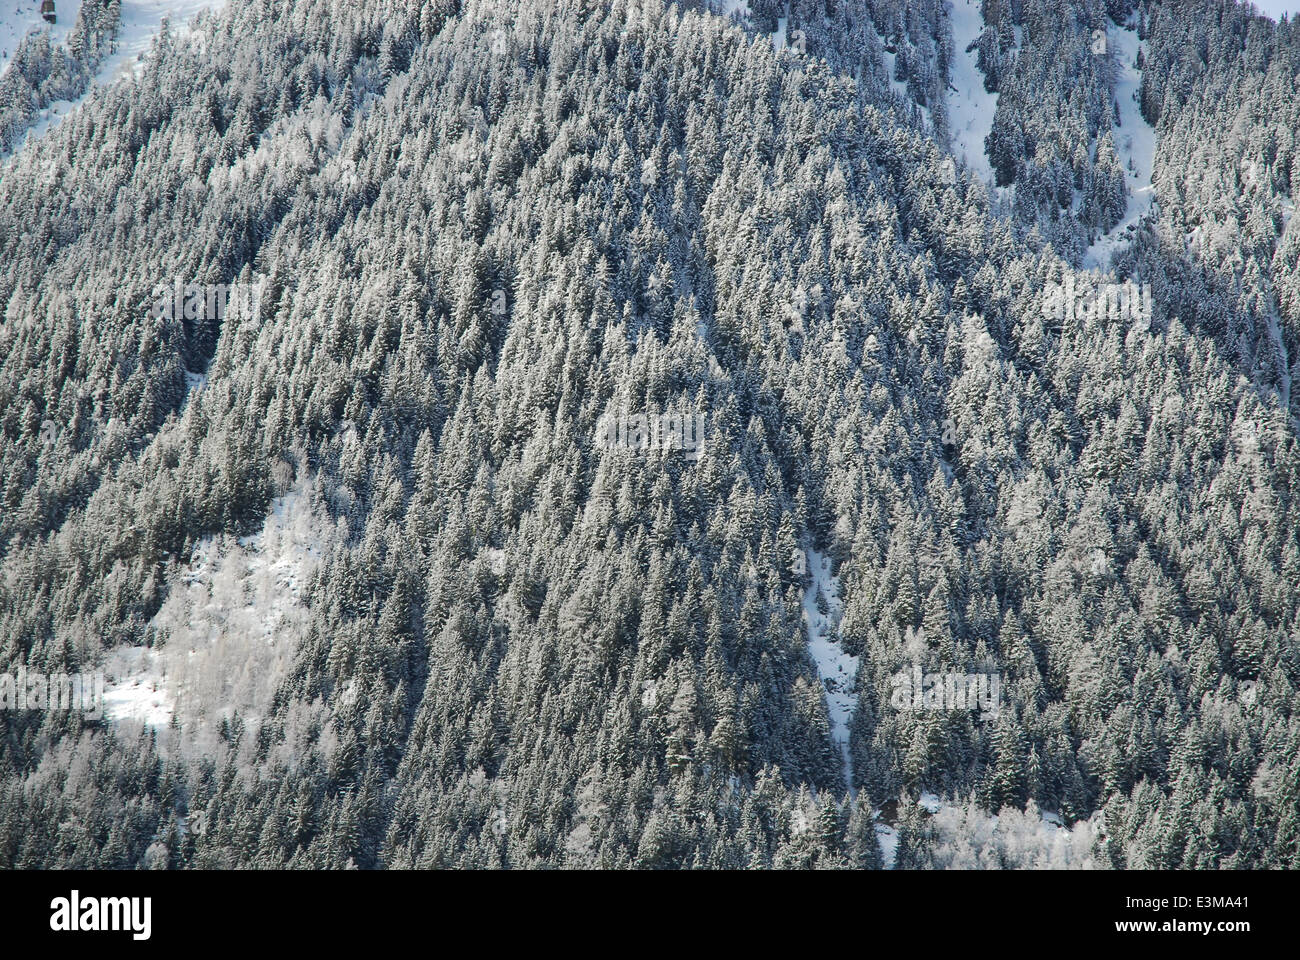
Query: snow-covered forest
x=372 y=588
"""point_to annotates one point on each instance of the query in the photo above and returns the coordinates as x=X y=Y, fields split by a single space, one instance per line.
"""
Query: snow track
x=822 y=609
x=970 y=106
x=1135 y=143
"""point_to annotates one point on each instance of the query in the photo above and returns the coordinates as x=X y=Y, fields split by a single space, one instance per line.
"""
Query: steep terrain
x=491 y=631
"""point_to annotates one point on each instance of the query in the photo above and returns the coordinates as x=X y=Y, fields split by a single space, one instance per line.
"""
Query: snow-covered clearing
x=141 y=21
x=970 y=107
x=133 y=690
x=968 y=837
x=1135 y=142
x=887 y=837
x=230 y=626
x=822 y=608
x=21 y=17
x=740 y=7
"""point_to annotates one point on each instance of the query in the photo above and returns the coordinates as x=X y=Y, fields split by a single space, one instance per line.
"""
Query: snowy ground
x=20 y=17
x=134 y=690
x=141 y=20
x=887 y=837
x=740 y=7
x=838 y=670
x=971 y=107
x=231 y=623
x=1135 y=140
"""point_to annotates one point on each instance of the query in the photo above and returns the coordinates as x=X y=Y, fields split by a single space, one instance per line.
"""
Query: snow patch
x=21 y=17
x=133 y=689
x=970 y=107
x=966 y=837
x=141 y=21
x=229 y=627
x=822 y=609
x=887 y=837
x=1135 y=144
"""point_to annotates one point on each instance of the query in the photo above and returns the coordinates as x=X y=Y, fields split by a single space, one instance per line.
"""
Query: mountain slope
x=483 y=233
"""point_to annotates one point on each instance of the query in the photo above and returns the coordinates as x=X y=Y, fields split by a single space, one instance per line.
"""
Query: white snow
x=740 y=7
x=887 y=837
x=971 y=107
x=1135 y=143
x=133 y=690
x=967 y=837
x=230 y=625
x=1288 y=210
x=21 y=17
x=837 y=669
x=141 y=20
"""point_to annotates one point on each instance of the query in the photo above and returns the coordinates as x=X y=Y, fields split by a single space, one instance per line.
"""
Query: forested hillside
x=483 y=230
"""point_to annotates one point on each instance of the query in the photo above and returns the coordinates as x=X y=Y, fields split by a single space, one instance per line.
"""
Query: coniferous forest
x=631 y=398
